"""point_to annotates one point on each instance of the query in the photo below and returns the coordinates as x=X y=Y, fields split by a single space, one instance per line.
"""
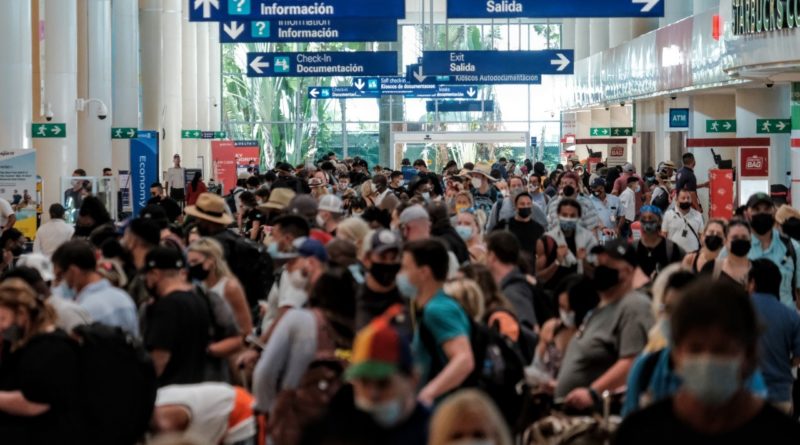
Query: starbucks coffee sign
x=757 y=16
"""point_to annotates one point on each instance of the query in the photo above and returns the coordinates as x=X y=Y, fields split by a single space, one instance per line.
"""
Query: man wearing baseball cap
x=768 y=243
x=378 y=407
x=381 y=261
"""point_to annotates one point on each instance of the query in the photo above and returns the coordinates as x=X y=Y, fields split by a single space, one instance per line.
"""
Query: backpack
x=251 y=264
x=791 y=253
x=230 y=200
x=661 y=201
x=119 y=384
x=298 y=408
x=499 y=368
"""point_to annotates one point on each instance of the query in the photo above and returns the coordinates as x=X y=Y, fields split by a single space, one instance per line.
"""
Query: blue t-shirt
x=781 y=256
x=779 y=342
x=445 y=320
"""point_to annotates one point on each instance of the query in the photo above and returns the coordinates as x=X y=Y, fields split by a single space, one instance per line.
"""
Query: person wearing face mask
x=682 y=224
x=75 y=264
x=733 y=264
x=788 y=220
x=612 y=336
x=176 y=323
x=576 y=298
x=329 y=213
x=469 y=229
x=442 y=338
x=484 y=194
x=207 y=266
x=524 y=228
x=715 y=335
x=712 y=240
x=564 y=250
x=608 y=207
x=621 y=183
x=768 y=243
x=536 y=191
x=379 y=292
x=627 y=200
x=653 y=250
x=569 y=188
x=505 y=210
x=396 y=184
x=468 y=417
x=378 y=405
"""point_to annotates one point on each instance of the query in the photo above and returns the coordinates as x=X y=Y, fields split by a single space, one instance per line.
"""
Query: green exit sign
x=600 y=131
x=123 y=133
x=191 y=134
x=773 y=126
x=49 y=130
x=721 y=126
x=622 y=131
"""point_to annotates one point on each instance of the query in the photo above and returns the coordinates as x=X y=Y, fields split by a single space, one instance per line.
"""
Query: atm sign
x=754 y=162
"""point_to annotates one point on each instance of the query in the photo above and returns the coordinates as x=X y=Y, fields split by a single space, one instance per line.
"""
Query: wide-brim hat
x=210 y=207
x=279 y=198
x=483 y=168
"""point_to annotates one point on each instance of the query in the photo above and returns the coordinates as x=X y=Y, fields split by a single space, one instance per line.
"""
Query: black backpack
x=661 y=201
x=251 y=264
x=499 y=368
x=230 y=200
x=119 y=384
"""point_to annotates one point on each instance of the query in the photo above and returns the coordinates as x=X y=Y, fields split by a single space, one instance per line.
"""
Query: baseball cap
x=651 y=209
x=619 y=249
x=628 y=168
x=759 y=198
x=331 y=203
x=164 y=258
x=40 y=262
x=414 y=213
x=313 y=248
x=598 y=182
x=379 y=351
x=155 y=213
x=383 y=240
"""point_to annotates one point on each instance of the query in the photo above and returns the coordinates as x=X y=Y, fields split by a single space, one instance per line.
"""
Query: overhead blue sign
x=678 y=118
x=316 y=30
x=322 y=64
x=416 y=76
x=227 y=10
x=500 y=64
x=144 y=168
x=400 y=86
x=460 y=106
x=323 y=93
x=492 y=9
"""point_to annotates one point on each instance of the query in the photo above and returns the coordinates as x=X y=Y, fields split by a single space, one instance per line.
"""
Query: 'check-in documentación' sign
x=497 y=63
x=309 y=30
x=227 y=10
x=491 y=9
x=322 y=64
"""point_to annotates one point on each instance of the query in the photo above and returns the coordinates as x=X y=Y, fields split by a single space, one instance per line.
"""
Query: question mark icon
x=261 y=26
x=240 y=5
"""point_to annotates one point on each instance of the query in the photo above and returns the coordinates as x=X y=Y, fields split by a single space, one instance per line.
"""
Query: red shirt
x=191 y=195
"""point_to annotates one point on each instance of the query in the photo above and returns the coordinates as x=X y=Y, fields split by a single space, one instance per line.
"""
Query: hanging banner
x=144 y=168
x=754 y=162
x=18 y=187
x=229 y=159
x=721 y=194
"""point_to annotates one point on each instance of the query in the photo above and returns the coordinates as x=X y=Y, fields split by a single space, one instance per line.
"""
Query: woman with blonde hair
x=468 y=416
x=469 y=228
x=353 y=229
x=469 y=295
x=207 y=265
x=43 y=363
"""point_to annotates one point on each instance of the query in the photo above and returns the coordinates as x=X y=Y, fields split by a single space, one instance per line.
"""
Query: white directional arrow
x=206 y=5
x=56 y=130
x=258 y=63
x=648 y=4
x=314 y=93
x=780 y=125
x=562 y=60
x=131 y=133
x=359 y=84
x=419 y=76
x=727 y=125
x=234 y=30
x=471 y=92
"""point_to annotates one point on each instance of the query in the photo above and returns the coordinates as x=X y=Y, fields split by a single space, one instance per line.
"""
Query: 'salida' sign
x=757 y=16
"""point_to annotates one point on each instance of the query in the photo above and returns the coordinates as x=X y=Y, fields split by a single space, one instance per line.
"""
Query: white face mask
x=297 y=279
x=320 y=221
x=568 y=318
x=476 y=182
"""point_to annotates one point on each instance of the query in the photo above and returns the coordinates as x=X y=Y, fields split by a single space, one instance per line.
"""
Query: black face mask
x=524 y=212
x=569 y=190
x=685 y=205
x=17 y=251
x=791 y=227
x=713 y=242
x=762 y=223
x=197 y=272
x=605 y=278
x=740 y=247
x=384 y=274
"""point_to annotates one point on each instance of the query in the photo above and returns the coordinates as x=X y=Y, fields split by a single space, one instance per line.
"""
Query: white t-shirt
x=628 y=201
x=683 y=230
x=5 y=212
x=209 y=406
x=175 y=177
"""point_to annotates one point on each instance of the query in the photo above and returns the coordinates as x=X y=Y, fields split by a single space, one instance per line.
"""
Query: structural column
x=766 y=103
x=214 y=79
x=125 y=19
x=57 y=158
x=15 y=75
x=151 y=58
x=581 y=38
x=203 y=94
x=598 y=36
x=94 y=139
x=795 y=143
x=171 y=73
x=675 y=11
x=189 y=89
x=568 y=34
x=619 y=31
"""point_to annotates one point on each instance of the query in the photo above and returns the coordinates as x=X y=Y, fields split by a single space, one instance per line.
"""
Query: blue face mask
x=465 y=232
x=272 y=249
x=386 y=415
x=405 y=287
x=711 y=380
x=568 y=224
x=666 y=330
